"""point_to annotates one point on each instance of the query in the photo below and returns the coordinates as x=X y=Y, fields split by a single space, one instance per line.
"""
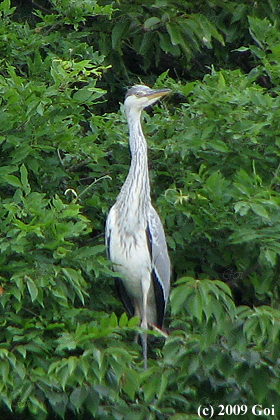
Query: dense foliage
x=66 y=347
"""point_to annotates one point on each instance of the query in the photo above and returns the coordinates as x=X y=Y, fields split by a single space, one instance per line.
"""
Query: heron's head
x=140 y=96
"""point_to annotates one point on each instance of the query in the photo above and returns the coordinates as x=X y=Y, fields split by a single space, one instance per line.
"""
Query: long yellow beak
x=158 y=93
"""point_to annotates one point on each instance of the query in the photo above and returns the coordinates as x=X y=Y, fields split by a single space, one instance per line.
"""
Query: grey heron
x=134 y=234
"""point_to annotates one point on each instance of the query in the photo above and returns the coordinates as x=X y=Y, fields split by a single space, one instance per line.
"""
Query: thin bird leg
x=144 y=349
x=137 y=312
x=144 y=325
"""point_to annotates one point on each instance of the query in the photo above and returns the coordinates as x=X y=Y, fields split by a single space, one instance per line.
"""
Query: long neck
x=135 y=192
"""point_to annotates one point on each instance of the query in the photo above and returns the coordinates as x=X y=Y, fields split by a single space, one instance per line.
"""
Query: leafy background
x=66 y=347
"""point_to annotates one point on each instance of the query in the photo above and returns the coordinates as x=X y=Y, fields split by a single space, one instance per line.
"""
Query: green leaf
x=78 y=396
x=163 y=386
x=195 y=306
x=151 y=22
x=242 y=49
x=82 y=95
x=130 y=383
x=4 y=370
x=151 y=387
x=24 y=179
x=113 y=321
x=174 y=33
x=118 y=32
x=270 y=256
x=13 y=180
x=259 y=210
x=242 y=207
x=66 y=341
x=133 y=322
x=123 y=321
x=220 y=146
x=32 y=288
x=261 y=379
x=178 y=298
x=22 y=350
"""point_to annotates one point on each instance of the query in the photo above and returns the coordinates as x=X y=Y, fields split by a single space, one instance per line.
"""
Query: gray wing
x=160 y=262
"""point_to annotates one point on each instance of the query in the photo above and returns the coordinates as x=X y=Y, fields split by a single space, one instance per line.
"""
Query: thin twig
x=38 y=6
x=93 y=183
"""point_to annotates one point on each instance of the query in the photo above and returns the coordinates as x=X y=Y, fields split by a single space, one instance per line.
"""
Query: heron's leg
x=144 y=322
x=137 y=312
x=144 y=350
